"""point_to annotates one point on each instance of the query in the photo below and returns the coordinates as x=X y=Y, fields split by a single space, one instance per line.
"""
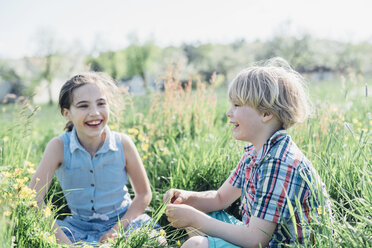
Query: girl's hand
x=176 y=196
x=110 y=234
x=182 y=215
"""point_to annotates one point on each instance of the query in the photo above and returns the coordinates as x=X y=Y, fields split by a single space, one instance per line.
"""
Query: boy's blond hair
x=273 y=88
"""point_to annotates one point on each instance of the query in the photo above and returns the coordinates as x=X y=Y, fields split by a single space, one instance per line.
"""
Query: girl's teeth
x=93 y=122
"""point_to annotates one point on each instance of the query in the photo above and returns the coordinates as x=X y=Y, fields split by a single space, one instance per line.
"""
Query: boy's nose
x=228 y=113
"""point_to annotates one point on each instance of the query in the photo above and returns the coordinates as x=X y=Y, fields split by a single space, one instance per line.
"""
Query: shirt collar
x=263 y=152
x=109 y=143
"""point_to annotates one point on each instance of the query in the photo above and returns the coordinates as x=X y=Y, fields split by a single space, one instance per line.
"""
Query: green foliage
x=305 y=53
x=185 y=142
x=9 y=75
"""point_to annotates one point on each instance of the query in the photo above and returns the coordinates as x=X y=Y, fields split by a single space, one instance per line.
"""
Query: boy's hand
x=176 y=196
x=110 y=234
x=182 y=215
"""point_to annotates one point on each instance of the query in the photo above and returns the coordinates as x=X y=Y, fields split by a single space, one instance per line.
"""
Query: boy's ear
x=267 y=117
x=66 y=113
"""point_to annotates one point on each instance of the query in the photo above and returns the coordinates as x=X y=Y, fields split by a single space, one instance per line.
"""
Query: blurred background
x=180 y=129
x=44 y=42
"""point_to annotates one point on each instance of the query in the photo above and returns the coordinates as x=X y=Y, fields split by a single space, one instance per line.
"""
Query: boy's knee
x=196 y=241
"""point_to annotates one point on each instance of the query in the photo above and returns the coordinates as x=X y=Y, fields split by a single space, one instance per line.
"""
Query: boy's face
x=247 y=122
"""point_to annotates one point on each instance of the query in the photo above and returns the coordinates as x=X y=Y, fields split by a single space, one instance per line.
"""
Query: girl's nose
x=94 y=111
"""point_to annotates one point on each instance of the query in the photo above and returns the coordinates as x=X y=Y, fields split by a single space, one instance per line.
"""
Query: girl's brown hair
x=102 y=80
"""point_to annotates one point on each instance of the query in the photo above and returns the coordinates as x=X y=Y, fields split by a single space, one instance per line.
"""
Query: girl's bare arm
x=40 y=182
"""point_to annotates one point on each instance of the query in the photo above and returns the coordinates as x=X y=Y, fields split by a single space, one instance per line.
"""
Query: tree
x=139 y=57
x=47 y=60
x=10 y=76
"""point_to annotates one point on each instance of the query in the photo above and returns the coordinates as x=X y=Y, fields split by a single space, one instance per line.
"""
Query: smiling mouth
x=94 y=123
x=234 y=124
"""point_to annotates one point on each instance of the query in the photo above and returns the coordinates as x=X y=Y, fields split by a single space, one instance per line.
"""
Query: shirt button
x=91 y=171
x=92 y=185
x=93 y=209
x=91 y=201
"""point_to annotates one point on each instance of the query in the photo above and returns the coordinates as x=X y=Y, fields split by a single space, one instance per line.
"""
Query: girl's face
x=89 y=111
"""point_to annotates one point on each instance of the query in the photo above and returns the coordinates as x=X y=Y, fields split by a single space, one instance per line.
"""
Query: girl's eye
x=83 y=106
x=101 y=103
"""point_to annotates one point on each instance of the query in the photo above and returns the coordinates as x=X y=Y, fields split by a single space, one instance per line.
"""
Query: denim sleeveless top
x=95 y=188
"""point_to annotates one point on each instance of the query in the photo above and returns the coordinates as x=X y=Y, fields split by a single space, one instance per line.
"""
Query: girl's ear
x=66 y=113
x=267 y=117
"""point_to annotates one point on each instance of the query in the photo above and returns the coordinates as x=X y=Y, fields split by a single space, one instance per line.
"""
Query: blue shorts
x=90 y=231
x=214 y=242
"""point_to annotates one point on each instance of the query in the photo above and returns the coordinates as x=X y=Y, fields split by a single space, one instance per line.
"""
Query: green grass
x=183 y=140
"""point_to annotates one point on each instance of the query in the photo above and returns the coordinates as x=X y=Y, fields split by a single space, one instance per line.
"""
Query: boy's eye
x=83 y=106
x=101 y=103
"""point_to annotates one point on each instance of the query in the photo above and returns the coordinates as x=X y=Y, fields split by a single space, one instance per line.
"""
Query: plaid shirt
x=271 y=181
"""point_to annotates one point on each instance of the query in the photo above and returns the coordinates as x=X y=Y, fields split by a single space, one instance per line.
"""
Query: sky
x=95 y=25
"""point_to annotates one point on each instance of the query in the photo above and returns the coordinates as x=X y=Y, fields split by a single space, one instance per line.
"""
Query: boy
x=271 y=176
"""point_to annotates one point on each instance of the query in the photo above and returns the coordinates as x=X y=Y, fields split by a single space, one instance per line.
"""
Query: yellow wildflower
x=141 y=137
x=145 y=147
x=31 y=170
x=133 y=131
x=178 y=243
x=47 y=211
x=51 y=238
x=355 y=121
x=7 y=213
x=30 y=164
x=6 y=174
x=26 y=192
x=16 y=186
x=162 y=232
x=34 y=203
x=6 y=194
x=165 y=151
x=5 y=138
x=17 y=172
x=145 y=157
x=370 y=122
x=21 y=181
x=360 y=124
x=88 y=246
x=319 y=209
x=346 y=138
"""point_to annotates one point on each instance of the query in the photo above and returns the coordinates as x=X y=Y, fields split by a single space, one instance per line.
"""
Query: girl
x=92 y=164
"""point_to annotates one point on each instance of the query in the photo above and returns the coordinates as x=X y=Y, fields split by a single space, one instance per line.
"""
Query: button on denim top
x=94 y=187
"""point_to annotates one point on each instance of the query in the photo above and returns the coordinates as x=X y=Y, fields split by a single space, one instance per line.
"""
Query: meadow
x=185 y=141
